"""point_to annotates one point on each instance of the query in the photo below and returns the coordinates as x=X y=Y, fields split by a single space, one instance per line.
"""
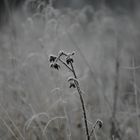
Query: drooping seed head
x=72 y=85
x=56 y=66
x=69 y=60
x=100 y=123
x=51 y=65
x=52 y=58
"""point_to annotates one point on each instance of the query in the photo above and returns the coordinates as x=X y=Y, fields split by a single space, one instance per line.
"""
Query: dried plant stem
x=84 y=110
x=10 y=130
x=93 y=128
x=82 y=103
x=12 y=122
x=113 y=131
x=68 y=63
x=80 y=95
x=136 y=97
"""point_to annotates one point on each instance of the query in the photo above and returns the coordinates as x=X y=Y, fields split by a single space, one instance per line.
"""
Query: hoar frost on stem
x=67 y=60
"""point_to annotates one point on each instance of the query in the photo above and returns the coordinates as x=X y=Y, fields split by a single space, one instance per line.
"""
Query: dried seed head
x=52 y=58
x=56 y=66
x=51 y=65
x=100 y=123
x=72 y=82
x=69 y=60
x=72 y=85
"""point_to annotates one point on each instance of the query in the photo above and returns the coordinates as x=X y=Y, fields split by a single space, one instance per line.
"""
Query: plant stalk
x=82 y=103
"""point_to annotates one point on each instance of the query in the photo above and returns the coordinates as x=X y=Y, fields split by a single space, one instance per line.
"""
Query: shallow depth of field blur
x=35 y=100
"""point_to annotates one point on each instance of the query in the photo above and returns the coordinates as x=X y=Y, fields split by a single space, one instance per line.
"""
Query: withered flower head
x=69 y=60
x=72 y=85
x=56 y=66
x=52 y=58
x=100 y=123
x=51 y=65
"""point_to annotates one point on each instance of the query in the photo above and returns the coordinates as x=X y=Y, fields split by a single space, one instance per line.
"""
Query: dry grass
x=36 y=102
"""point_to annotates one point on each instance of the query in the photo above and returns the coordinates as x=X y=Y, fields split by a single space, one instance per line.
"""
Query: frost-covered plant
x=67 y=60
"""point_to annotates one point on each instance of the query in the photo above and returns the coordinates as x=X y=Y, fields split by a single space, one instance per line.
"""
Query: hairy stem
x=71 y=68
x=82 y=103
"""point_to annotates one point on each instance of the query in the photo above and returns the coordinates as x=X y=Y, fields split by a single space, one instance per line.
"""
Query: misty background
x=105 y=36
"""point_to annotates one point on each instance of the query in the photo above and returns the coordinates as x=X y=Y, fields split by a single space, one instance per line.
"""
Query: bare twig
x=82 y=102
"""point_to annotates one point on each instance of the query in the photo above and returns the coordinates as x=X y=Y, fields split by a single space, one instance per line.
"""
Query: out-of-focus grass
x=28 y=87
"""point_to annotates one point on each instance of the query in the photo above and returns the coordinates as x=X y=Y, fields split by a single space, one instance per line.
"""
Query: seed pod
x=52 y=58
x=51 y=65
x=100 y=123
x=56 y=66
x=72 y=85
x=69 y=60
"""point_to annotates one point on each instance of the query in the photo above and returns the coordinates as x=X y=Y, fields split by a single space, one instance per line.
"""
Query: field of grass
x=36 y=102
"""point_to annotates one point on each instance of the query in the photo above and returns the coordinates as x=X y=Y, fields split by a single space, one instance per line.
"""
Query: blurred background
x=36 y=102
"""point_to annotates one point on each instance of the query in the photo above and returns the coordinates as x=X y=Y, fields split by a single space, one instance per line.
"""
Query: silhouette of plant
x=67 y=60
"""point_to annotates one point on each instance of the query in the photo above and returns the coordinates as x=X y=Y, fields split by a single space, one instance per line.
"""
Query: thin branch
x=100 y=123
x=82 y=102
x=93 y=128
